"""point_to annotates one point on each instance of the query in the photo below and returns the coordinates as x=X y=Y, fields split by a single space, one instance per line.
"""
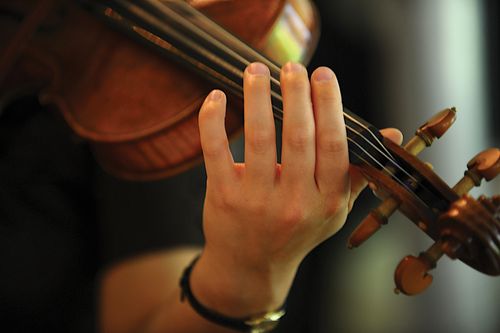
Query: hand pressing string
x=262 y=218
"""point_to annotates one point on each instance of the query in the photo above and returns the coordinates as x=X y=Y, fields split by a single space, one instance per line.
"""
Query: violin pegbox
x=433 y=129
x=467 y=228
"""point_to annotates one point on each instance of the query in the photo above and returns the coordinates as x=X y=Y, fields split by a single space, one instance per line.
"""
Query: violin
x=123 y=89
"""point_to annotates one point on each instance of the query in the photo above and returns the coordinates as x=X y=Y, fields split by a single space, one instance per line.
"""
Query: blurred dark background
x=398 y=62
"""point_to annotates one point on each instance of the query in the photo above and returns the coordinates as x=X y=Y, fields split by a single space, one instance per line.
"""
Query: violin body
x=138 y=109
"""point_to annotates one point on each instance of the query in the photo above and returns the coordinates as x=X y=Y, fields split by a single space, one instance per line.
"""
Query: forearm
x=143 y=294
x=229 y=296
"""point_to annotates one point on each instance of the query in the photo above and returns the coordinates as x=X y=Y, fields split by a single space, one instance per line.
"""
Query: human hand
x=261 y=218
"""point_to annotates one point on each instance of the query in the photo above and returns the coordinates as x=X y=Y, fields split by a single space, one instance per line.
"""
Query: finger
x=332 y=160
x=392 y=134
x=260 y=142
x=298 y=152
x=214 y=143
x=358 y=181
x=358 y=184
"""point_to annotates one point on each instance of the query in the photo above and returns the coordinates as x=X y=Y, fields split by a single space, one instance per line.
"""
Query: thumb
x=358 y=181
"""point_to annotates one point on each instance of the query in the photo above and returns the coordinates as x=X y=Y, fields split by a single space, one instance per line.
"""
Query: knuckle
x=224 y=200
x=260 y=141
x=329 y=142
x=214 y=148
x=299 y=140
x=334 y=207
x=293 y=216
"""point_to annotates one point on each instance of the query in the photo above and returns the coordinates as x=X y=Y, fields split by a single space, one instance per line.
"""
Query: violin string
x=218 y=37
x=206 y=37
x=236 y=70
x=167 y=29
x=239 y=73
x=353 y=119
x=181 y=20
x=354 y=153
x=145 y=34
x=232 y=42
x=227 y=38
x=382 y=167
x=223 y=35
x=388 y=156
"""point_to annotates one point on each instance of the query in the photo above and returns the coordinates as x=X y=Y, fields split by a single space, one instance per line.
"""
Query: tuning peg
x=412 y=274
x=485 y=165
x=434 y=128
x=373 y=222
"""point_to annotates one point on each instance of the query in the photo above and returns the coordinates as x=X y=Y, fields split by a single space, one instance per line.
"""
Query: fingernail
x=323 y=74
x=257 y=68
x=215 y=95
x=291 y=67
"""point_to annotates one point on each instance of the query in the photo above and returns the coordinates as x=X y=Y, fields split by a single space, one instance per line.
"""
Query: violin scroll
x=462 y=227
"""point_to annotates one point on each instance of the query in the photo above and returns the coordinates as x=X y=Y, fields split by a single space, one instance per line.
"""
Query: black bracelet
x=264 y=324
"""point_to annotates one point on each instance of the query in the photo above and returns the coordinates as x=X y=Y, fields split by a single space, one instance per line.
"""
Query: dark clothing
x=63 y=220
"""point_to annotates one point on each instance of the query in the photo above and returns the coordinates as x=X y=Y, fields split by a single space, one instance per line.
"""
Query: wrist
x=235 y=289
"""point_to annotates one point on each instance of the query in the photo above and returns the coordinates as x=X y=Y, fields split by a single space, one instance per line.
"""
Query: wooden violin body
x=137 y=109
